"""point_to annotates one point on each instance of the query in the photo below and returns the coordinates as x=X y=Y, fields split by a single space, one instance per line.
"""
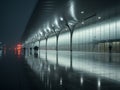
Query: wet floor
x=15 y=74
x=82 y=71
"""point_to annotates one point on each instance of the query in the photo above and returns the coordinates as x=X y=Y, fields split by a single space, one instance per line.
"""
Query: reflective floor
x=76 y=70
x=15 y=74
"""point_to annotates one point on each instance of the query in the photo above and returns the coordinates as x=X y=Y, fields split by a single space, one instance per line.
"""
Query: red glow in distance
x=19 y=46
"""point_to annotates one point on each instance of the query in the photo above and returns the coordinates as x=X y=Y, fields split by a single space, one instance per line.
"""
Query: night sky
x=14 y=15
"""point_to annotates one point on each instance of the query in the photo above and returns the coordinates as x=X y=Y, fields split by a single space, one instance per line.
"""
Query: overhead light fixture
x=99 y=17
x=41 y=33
x=66 y=29
x=82 y=12
x=70 y=23
x=61 y=18
x=82 y=22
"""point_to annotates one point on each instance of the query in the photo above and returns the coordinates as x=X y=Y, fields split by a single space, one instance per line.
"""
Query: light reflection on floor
x=87 y=71
x=0 y=53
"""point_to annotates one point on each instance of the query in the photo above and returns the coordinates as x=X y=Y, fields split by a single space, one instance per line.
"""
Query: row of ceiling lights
x=42 y=33
x=47 y=30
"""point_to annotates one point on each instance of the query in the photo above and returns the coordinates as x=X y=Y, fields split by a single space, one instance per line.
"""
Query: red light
x=19 y=46
x=18 y=49
x=19 y=52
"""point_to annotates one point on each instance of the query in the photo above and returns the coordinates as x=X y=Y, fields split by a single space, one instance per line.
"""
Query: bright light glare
x=56 y=22
x=19 y=47
x=82 y=12
x=99 y=83
x=61 y=81
x=81 y=80
x=45 y=30
x=72 y=10
x=99 y=17
x=82 y=22
x=41 y=33
x=61 y=18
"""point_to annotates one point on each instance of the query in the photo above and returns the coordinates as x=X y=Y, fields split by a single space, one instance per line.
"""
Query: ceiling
x=45 y=10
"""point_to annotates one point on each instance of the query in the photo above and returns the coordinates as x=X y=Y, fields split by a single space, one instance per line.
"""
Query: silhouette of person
x=110 y=50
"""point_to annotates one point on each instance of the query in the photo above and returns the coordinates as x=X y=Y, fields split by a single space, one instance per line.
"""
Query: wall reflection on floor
x=86 y=71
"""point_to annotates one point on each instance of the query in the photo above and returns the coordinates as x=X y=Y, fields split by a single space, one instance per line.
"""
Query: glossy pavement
x=86 y=71
x=15 y=74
